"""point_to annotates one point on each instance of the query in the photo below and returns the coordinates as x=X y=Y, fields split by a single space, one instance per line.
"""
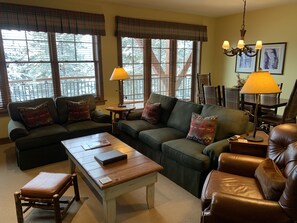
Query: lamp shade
x=260 y=82
x=119 y=73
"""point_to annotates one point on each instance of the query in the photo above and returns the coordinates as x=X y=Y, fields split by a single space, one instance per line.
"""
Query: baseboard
x=5 y=141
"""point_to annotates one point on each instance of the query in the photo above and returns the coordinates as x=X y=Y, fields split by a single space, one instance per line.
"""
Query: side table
x=118 y=113
x=243 y=146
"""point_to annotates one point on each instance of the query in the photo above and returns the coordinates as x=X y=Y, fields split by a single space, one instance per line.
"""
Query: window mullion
x=147 y=68
x=194 y=69
x=54 y=64
x=172 y=69
x=4 y=84
x=98 y=69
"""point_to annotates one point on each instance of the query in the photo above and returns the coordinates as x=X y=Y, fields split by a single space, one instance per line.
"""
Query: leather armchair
x=233 y=194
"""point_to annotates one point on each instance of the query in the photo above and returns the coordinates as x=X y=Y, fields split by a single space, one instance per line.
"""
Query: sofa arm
x=214 y=150
x=231 y=208
x=239 y=164
x=134 y=115
x=16 y=130
x=99 y=116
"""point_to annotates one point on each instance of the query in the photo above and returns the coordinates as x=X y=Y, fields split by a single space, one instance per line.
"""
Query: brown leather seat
x=233 y=193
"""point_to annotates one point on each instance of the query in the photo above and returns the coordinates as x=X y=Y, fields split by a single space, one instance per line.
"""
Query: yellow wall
x=270 y=25
x=109 y=43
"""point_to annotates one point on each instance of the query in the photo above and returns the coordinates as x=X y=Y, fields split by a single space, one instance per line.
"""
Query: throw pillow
x=202 y=130
x=34 y=117
x=78 y=111
x=271 y=179
x=151 y=112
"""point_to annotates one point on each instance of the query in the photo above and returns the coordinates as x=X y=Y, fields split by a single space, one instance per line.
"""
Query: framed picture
x=244 y=63
x=272 y=57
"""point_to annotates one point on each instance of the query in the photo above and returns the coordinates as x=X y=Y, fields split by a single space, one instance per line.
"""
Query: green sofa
x=185 y=161
x=42 y=145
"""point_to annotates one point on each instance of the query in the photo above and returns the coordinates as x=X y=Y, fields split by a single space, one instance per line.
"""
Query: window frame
x=55 y=74
x=196 y=62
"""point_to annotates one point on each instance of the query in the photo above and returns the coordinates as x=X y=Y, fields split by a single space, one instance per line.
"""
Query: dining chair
x=246 y=107
x=266 y=98
x=289 y=115
x=231 y=98
x=202 y=79
x=212 y=95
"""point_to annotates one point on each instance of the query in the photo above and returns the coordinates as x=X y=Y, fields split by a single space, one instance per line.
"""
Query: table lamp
x=260 y=82
x=119 y=74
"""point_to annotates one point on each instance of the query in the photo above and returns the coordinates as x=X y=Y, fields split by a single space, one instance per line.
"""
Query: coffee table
x=126 y=175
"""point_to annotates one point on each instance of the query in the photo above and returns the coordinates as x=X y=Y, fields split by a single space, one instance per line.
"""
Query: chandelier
x=241 y=47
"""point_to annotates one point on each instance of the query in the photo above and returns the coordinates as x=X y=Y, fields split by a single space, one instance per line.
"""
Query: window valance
x=140 y=28
x=31 y=18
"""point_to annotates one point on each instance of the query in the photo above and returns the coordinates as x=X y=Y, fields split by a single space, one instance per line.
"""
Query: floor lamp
x=119 y=74
x=258 y=83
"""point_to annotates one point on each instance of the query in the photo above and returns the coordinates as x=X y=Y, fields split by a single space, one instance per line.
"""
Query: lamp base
x=121 y=106
x=254 y=139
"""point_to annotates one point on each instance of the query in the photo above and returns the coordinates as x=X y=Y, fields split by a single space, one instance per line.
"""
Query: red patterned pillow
x=151 y=112
x=78 y=111
x=202 y=129
x=34 y=117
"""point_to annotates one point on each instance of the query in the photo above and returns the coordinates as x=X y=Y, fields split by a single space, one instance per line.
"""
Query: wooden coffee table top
x=135 y=166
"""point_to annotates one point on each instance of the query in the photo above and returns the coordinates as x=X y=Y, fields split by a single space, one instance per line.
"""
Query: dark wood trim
x=97 y=55
x=5 y=141
x=147 y=51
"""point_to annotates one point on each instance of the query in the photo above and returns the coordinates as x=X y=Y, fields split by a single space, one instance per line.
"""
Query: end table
x=243 y=146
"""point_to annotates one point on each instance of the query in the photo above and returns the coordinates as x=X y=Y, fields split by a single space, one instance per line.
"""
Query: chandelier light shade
x=258 y=83
x=119 y=74
x=241 y=47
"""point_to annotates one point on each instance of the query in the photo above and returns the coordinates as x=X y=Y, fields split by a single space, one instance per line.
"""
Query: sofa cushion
x=16 y=116
x=62 y=105
x=155 y=137
x=203 y=129
x=87 y=127
x=180 y=117
x=34 y=117
x=271 y=179
x=151 y=112
x=167 y=104
x=133 y=127
x=227 y=127
x=186 y=152
x=42 y=137
x=78 y=111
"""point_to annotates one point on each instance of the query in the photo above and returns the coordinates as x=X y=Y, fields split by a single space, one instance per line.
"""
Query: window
x=171 y=68
x=30 y=66
x=160 y=56
x=48 y=52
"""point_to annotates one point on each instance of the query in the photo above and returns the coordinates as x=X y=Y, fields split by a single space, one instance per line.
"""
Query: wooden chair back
x=290 y=111
x=202 y=79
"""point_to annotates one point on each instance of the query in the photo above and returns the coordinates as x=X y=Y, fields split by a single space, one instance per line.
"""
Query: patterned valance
x=31 y=18
x=140 y=28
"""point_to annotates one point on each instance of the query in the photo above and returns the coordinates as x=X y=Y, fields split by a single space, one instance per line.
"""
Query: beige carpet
x=172 y=203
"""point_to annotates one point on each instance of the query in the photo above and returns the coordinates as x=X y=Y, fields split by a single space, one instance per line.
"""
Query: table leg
x=150 y=195
x=109 y=207
x=71 y=166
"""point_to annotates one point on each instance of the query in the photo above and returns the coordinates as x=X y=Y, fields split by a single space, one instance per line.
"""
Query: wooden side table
x=250 y=148
x=118 y=113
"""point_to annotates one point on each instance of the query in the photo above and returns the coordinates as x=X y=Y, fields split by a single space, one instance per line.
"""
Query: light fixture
x=119 y=74
x=260 y=82
x=241 y=47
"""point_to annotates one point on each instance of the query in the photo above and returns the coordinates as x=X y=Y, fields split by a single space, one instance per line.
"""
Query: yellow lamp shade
x=119 y=73
x=260 y=82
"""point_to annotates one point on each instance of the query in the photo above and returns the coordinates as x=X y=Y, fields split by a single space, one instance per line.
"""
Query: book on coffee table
x=94 y=145
x=110 y=157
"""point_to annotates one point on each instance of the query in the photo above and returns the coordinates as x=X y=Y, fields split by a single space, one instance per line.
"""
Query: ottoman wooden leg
x=57 y=208
x=18 y=206
x=75 y=186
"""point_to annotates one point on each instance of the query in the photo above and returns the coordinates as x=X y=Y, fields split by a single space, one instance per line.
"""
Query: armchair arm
x=214 y=150
x=230 y=208
x=16 y=130
x=239 y=164
x=99 y=116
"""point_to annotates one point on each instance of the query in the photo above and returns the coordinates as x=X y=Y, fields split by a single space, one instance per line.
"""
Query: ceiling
x=211 y=8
